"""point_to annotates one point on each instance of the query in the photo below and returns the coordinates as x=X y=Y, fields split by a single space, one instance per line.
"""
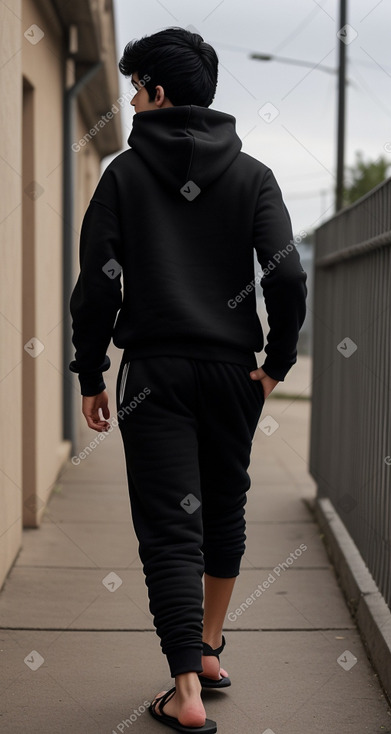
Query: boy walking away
x=179 y=214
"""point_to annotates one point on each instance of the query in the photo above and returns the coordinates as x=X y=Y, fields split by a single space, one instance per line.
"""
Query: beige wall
x=10 y=286
x=44 y=450
x=32 y=450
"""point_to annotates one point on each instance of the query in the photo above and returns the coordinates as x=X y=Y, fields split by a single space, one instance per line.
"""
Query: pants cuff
x=185 y=660
x=226 y=572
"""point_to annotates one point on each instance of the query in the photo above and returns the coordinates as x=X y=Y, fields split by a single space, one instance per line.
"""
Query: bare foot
x=211 y=668
x=210 y=664
x=188 y=709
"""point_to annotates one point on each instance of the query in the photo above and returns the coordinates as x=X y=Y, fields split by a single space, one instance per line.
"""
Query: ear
x=159 y=96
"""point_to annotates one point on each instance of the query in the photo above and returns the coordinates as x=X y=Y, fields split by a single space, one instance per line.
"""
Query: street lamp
x=297 y=62
x=342 y=82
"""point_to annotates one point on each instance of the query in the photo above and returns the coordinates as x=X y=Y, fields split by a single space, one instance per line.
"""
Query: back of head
x=178 y=60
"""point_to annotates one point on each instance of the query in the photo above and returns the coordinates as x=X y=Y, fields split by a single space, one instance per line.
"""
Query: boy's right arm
x=284 y=280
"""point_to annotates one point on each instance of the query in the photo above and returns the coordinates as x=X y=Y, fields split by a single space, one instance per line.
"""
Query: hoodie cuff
x=276 y=372
x=91 y=383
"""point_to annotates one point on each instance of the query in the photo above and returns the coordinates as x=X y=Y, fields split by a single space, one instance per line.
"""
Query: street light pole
x=295 y=62
x=341 y=111
x=342 y=83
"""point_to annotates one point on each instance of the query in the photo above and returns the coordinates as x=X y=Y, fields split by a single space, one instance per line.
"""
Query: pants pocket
x=261 y=390
x=122 y=385
x=257 y=385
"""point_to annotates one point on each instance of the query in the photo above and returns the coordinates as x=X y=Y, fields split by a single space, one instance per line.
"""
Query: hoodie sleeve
x=284 y=280
x=97 y=295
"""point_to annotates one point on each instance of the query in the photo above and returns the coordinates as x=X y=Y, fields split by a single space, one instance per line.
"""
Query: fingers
x=268 y=383
x=105 y=410
x=91 y=407
x=258 y=374
x=94 y=422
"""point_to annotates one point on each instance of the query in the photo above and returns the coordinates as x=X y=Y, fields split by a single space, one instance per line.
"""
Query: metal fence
x=350 y=451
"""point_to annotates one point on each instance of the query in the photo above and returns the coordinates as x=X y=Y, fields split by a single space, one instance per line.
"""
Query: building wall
x=43 y=448
x=32 y=78
x=10 y=286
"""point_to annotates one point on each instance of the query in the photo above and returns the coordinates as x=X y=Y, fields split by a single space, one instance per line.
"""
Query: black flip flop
x=210 y=682
x=209 y=727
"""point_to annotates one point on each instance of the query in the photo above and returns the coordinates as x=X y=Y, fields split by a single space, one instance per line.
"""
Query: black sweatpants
x=187 y=427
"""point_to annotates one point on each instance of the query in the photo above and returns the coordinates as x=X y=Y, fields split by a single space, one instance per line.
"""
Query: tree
x=364 y=177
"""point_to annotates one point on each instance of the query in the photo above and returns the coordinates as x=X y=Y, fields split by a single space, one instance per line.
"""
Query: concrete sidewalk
x=79 y=650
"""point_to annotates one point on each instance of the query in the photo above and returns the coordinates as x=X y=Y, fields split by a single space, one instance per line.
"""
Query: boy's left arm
x=94 y=304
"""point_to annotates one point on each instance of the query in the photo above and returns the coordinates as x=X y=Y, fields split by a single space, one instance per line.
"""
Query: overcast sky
x=299 y=145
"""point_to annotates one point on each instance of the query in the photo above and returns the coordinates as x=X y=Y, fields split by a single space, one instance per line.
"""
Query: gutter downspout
x=69 y=192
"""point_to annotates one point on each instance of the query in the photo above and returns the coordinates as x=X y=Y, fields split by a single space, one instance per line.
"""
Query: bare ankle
x=188 y=684
x=213 y=638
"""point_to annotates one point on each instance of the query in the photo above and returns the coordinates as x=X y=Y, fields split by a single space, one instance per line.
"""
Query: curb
x=365 y=602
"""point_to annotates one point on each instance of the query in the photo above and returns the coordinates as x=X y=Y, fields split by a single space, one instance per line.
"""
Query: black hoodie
x=180 y=214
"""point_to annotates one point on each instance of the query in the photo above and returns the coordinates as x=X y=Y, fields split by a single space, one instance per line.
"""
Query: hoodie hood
x=185 y=143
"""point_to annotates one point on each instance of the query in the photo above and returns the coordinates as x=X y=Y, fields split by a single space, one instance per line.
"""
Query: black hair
x=178 y=60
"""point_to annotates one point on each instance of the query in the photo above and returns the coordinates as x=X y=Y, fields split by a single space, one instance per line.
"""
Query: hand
x=90 y=410
x=268 y=383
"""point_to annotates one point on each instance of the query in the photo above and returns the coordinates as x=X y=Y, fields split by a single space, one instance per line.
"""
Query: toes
x=157 y=706
x=223 y=673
